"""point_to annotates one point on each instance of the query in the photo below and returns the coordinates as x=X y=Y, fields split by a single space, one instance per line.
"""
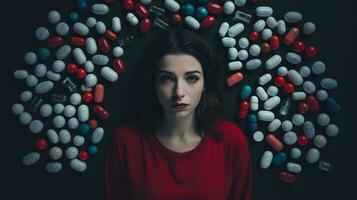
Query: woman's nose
x=178 y=92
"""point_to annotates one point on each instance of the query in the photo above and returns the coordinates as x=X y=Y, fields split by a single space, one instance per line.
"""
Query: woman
x=177 y=145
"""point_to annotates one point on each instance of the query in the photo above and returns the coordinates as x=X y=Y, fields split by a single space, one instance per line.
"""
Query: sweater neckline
x=170 y=154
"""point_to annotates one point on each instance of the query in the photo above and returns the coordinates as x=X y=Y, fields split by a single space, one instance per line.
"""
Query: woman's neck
x=179 y=128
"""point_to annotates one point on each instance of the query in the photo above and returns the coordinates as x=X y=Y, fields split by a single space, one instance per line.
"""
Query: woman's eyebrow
x=189 y=72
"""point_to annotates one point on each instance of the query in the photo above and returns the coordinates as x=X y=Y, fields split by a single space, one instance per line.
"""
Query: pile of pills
x=67 y=77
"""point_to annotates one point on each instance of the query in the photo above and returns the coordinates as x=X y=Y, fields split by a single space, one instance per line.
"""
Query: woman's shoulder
x=231 y=131
x=126 y=132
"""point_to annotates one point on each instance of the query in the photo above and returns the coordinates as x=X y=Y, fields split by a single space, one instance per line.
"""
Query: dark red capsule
x=141 y=10
x=119 y=65
x=78 y=41
x=54 y=42
x=145 y=25
x=207 y=22
x=104 y=45
x=101 y=112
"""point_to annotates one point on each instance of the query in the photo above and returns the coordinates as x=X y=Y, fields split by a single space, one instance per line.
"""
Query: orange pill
x=99 y=93
x=111 y=35
x=274 y=142
x=93 y=123
x=265 y=47
x=234 y=79
x=176 y=18
x=303 y=107
x=291 y=36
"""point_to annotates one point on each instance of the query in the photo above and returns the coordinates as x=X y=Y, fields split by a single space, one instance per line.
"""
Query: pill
x=265 y=115
x=58 y=121
x=328 y=83
x=53 y=167
x=71 y=152
x=118 y=51
x=266 y=34
x=282 y=71
x=78 y=165
x=263 y=11
x=30 y=58
x=78 y=140
x=254 y=50
x=69 y=111
x=253 y=64
x=97 y=135
x=243 y=43
x=259 y=25
x=109 y=74
x=271 y=22
x=242 y=55
x=232 y=53
x=266 y=159
x=116 y=24
x=261 y=93
x=55 y=153
x=281 y=27
x=100 y=59
x=252 y=121
x=264 y=79
x=279 y=158
x=293 y=58
x=309 y=28
x=271 y=103
x=17 y=109
x=325 y=166
x=90 y=80
x=291 y=36
x=53 y=76
x=30 y=158
x=131 y=18
x=323 y=119
x=298 y=119
x=305 y=71
x=100 y=9
x=295 y=153
x=89 y=66
x=73 y=123
x=42 y=33
x=91 y=45
x=235 y=30
x=322 y=95
x=318 y=68
x=287 y=177
x=52 y=136
x=312 y=155
x=273 y=62
x=63 y=52
x=54 y=17
x=228 y=7
x=293 y=167
x=290 y=138
x=332 y=105
x=83 y=113
x=64 y=136
x=272 y=90
x=79 y=56
x=228 y=42
x=297 y=96
x=245 y=91
x=293 y=17
x=192 y=22
x=320 y=141
x=309 y=129
x=295 y=77
x=235 y=65
x=274 y=142
x=332 y=130
x=58 y=108
x=258 y=136
x=20 y=74
x=25 y=118
x=26 y=96
x=254 y=103
x=62 y=29
x=309 y=87
x=36 y=126
x=80 y=29
x=274 y=125
x=101 y=112
x=75 y=99
x=223 y=29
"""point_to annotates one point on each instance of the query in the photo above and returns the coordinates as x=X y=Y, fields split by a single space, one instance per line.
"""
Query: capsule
x=78 y=165
x=312 y=155
x=279 y=158
x=293 y=58
x=253 y=64
x=223 y=29
x=101 y=112
x=79 y=56
x=208 y=22
x=214 y=8
x=234 y=79
x=266 y=160
x=265 y=115
x=235 y=65
x=228 y=7
x=253 y=125
x=116 y=24
x=264 y=11
x=235 y=30
x=261 y=93
x=55 y=42
x=293 y=17
x=245 y=92
x=287 y=177
x=97 y=135
x=192 y=22
x=109 y=74
x=332 y=105
x=104 y=45
x=274 y=142
x=145 y=25
x=274 y=125
x=254 y=103
x=313 y=103
x=271 y=103
x=141 y=10
x=291 y=36
x=273 y=62
x=172 y=5
x=132 y=19
x=244 y=110
x=80 y=29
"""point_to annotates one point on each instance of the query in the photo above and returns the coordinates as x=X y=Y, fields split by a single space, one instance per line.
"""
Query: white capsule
x=328 y=83
x=89 y=66
x=64 y=136
x=243 y=55
x=293 y=167
x=318 y=68
x=261 y=93
x=323 y=119
x=298 y=119
x=281 y=27
x=101 y=28
x=53 y=167
x=282 y=71
x=55 y=153
x=25 y=118
x=83 y=113
x=109 y=74
x=40 y=70
x=266 y=159
x=36 y=126
x=266 y=116
x=286 y=125
x=235 y=65
x=295 y=77
x=26 y=96
x=17 y=108
x=254 y=103
x=259 y=25
x=100 y=59
x=62 y=29
x=118 y=51
x=85 y=88
x=79 y=56
x=235 y=30
x=293 y=58
x=90 y=80
x=295 y=153
x=100 y=9
x=63 y=52
x=97 y=135
x=309 y=28
x=31 y=81
x=293 y=17
x=264 y=79
x=91 y=22
x=58 y=121
x=232 y=53
x=78 y=165
x=309 y=87
x=91 y=46
x=58 y=108
x=309 y=129
x=45 y=110
x=223 y=29
x=321 y=95
x=30 y=158
x=192 y=23
x=116 y=24
x=274 y=125
x=132 y=19
x=42 y=33
x=80 y=29
x=78 y=140
x=320 y=141
x=305 y=71
x=71 y=152
x=20 y=74
x=54 y=17
x=243 y=42
x=271 y=103
x=75 y=99
x=253 y=64
x=290 y=138
x=254 y=50
x=298 y=96
x=69 y=111
x=172 y=5
x=228 y=7
x=332 y=130
x=273 y=62
x=272 y=90
x=228 y=42
x=263 y=11
x=258 y=136
x=267 y=34
x=52 y=136
x=44 y=87
x=312 y=155
x=53 y=76
x=240 y=3
x=271 y=22
x=73 y=123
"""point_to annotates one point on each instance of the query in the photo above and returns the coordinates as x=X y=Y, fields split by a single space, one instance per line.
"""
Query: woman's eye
x=192 y=78
x=165 y=79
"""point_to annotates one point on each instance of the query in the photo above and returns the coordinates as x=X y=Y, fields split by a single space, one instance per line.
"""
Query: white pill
x=323 y=119
x=295 y=153
x=53 y=76
x=228 y=7
x=293 y=17
x=79 y=56
x=272 y=90
x=30 y=58
x=332 y=130
x=228 y=42
x=91 y=45
x=282 y=71
x=235 y=65
x=118 y=51
x=271 y=22
x=85 y=88
x=293 y=167
x=235 y=30
x=259 y=25
x=101 y=28
x=266 y=159
x=172 y=5
x=91 y=22
x=305 y=71
x=53 y=167
x=240 y=3
x=45 y=110
x=223 y=29
x=290 y=138
x=274 y=125
x=55 y=153
x=100 y=9
x=26 y=96
x=20 y=74
x=243 y=55
x=90 y=80
x=78 y=165
x=71 y=152
x=295 y=77
x=318 y=68
x=264 y=79
x=30 y=158
x=100 y=59
x=62 y=29
x=263 y=11
x=36 y=126
x=69 y=111
x=17 y=108
x=116 y=24
x=320 y=141
x=89 y=66
x=42 y=33
x=258 y=136
x=328 y=83
x=97 y=135
x=58 y=108
x=31 y=81
x=309 y=28
x=261 y=93
x=75 y=99
x=254 y=50
x=253 y=64
x=78 y=140
x=271 y=103
x=132 y=19
x=80 y=29
x=321 y=95
x=192 y=23
x=254 y=103
x=297 y=96
x=52 y=136
x=266 y=116
x=83 y=113
x=58 y=121
x=293 y=58
x=243 y=42
x=25 y=118
x=109 y=74
x=54 y=17
x=64 y=136
x=58 y=66
x=309 y=129
x=266 y=34
x=286 y=125
x=63 y=52
x=232 y=53
x=298 y=119
x=40 y=70
x=312 y=155
x=281 y=27
x=309 y=87
x=73 y=123
x=273 y=62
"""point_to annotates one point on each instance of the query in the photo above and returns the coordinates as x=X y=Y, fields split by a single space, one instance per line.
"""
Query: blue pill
x=74 y=17
x=44 y=53
x=333 y=105
x=92 y=149
x=245 y=92
x=188 y=9
x=201 y=13
x=83 y=129
x=279 y=158
x=253 y=125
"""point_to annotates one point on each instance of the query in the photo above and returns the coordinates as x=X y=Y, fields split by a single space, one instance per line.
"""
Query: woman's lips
x=179 y=106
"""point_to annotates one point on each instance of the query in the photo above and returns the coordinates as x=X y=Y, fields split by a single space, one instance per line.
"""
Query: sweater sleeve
x=242 y=171
x=114 y=171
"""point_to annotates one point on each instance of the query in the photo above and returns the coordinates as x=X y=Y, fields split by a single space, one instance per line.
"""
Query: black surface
x=335 y=39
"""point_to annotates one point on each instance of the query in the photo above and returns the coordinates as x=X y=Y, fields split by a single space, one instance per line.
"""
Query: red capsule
x=83 y=155
x=101 y=112
x=244 y=110
x=145 y=25
x=104 y=45
x=41 y=144
x=289 y=88
x=274 y=142
x=72 y=68
x=141 y=10
x=207 y=22
x=214 y=8
x=266 y=48
x=291 y=36
x=313 y=103
x=254 y=36
x=310 y=51
x=78 y=41
x=54 y=42
x=303 y=107
x=274 y=42
x=99 y=93
x=128 y=4
x=81 y=73
x=110 y=35
x=87 y=96
x=234 y=78
x=302 y=140
x=279 y=81
x=119 y=65
x=299 y=47
x=287 y=177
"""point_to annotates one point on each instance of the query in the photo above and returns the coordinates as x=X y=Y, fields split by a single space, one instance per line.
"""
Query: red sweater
x=140 y=167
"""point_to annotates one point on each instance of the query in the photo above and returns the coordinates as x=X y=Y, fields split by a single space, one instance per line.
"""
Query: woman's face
x=179 y=84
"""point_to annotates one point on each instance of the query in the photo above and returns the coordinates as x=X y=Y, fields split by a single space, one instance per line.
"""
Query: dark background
x=335 y=39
